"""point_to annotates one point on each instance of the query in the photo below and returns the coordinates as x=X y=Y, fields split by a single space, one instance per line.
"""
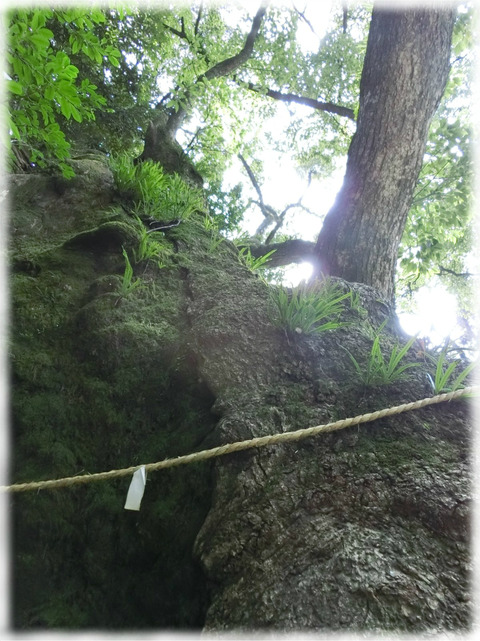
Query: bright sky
x=435 y=317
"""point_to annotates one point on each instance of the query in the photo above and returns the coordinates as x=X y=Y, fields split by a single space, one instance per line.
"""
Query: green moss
x=394 y=452
x=100 y=383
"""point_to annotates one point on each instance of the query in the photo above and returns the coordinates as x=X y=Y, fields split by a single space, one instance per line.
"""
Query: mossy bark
x=367 y=528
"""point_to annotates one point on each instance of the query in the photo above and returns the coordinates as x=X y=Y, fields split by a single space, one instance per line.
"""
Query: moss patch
x=103 y=381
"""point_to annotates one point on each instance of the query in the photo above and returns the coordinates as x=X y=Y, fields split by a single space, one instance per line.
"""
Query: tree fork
x=160 y=143
x=404 y=75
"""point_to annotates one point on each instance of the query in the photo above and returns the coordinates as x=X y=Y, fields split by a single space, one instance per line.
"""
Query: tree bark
x=362 y=529
x=287 y=252
x=160 y=147
x=404 y=75
x=366 y=528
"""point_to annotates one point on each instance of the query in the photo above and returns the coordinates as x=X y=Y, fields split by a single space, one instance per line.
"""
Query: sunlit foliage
x=92 y=78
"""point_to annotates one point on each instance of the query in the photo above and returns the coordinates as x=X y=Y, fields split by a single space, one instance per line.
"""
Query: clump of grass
x=310 y=308
x=139 y=182
x=216 y=239
x=378 y=370
x=151 y=246
x=128 y=284
x=180 y=199
x=245 y=257
x=442 y=376
x=155 y=194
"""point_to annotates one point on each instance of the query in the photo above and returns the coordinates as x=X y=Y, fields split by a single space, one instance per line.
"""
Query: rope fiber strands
x=239 y=446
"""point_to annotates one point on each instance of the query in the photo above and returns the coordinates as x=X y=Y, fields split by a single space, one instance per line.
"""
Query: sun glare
x=294 y=274
x=435 y=315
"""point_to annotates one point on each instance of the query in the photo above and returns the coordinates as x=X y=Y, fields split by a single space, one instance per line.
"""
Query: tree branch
x=290 y=251
x=268 y=212
x=445 y=270
x=279 y=224
x=181 y=34
x=329 y=107
x=301 y=14
x=220 y=69
x=197 y=21
x=231 y=64
x=253 y=180
x=344 y=16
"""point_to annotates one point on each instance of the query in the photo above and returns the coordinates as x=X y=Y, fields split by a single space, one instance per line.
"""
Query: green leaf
x=38 y=20
x=15 y=87
x=46 y=112
x=113 y=57
x=75 y=43
x=14 y=129
x=49 y=92
x=75 y=113
x=41 y=38
x=65 y=107
x=97 y=16
x=67 y=170
x=70 y=72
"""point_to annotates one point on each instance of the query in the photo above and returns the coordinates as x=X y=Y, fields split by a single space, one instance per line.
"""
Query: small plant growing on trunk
x=155 y=194
x=245 y=257
x=309 y=309
x=443 y=377
x=128 y=284
x=151 y=246
x=378 y=370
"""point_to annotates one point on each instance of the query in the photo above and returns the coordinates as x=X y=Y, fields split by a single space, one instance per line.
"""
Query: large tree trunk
x=366 y=528
x=363 y=529
x=404 y=75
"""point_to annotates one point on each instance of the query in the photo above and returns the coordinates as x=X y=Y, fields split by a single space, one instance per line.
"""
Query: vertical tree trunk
x=405 y=70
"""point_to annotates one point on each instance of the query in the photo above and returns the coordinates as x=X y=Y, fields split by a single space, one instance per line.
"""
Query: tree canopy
x=96 y=78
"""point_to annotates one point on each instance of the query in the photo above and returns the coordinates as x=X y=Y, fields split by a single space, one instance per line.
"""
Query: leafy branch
x=222 y=68
x=45 y=87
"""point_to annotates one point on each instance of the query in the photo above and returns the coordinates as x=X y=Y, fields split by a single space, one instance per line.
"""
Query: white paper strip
x=136 y=490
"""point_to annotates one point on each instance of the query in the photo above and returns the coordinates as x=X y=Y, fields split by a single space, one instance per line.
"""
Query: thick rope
x=238 y=446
